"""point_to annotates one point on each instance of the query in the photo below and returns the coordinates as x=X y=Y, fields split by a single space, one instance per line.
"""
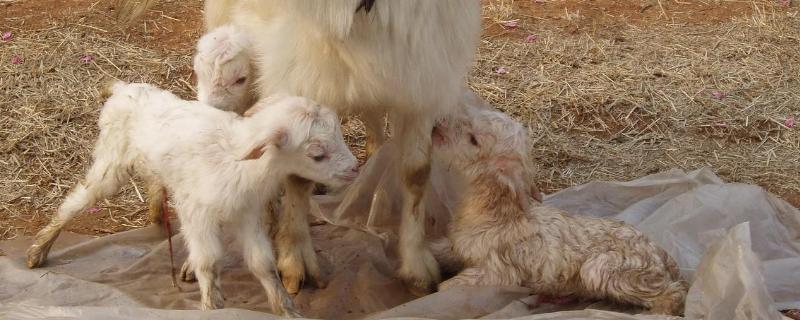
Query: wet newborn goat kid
x=221 y=169
x=502 y=237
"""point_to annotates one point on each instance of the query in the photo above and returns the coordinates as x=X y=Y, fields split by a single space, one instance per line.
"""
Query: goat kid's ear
x=277 y=140
x=511 y=174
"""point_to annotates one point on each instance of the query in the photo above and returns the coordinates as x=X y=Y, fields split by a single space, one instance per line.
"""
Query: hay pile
x=599 y=106
x=49 y=106
x=646 y=99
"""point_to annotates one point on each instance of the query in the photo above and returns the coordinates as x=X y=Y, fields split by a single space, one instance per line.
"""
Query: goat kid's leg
x=474 y=276
x=104 y=179
x=418 y=267
x=205 y=252
x=155 y=200
x=296 y=256
x=258 y=255
x=187 y=273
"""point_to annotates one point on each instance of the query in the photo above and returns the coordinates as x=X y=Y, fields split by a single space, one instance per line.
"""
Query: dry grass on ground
x=602 y=103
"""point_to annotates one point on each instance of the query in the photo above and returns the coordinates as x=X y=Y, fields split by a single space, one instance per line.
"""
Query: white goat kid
x=503 y=237
x=224 y=68
x=221 y=169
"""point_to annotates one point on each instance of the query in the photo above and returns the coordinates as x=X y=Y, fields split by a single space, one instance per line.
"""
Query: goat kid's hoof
x=215 y=301
x=36 y=257
x=291 y=313
x=187 y=273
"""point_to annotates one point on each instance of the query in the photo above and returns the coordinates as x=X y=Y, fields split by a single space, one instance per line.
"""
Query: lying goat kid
x=221 y=169
x=503 y=237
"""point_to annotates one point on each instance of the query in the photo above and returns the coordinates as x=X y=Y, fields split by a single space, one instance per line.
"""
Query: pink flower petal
x=87 y=58
x=510 y=24
x=789 y=122
x=718 y=94
x=501 y=70
x=531 y=38
x=16 y=60
x=93 y=210
x=6 y=36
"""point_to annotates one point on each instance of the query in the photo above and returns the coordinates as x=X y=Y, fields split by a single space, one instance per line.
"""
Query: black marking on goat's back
x=366 y=5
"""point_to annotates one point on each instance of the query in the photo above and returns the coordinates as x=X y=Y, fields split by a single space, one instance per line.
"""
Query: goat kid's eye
x=472 y=140
x=319 y=158
x=240 y=81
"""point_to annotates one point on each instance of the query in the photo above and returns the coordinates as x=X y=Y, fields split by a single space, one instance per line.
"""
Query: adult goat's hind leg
x=296 y=256
x=104 y=179
x=375 y=126
x=418 y=267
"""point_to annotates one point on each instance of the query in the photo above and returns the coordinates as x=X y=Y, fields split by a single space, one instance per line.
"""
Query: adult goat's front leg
x=418 y=267
x=296 y=256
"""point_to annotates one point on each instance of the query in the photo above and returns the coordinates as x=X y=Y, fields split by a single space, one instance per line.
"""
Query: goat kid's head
x=486 y=144
x=308 y=143
x=224 y=69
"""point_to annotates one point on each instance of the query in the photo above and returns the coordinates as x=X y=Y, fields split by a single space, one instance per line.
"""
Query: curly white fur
x=503 y=237
x=221 y=170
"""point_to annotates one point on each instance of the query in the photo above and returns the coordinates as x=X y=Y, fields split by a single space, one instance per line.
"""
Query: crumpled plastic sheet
x=752 y=270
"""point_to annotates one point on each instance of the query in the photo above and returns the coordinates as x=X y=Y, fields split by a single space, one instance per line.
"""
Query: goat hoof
x=291 y=313
x=423 y=276
x=36 y=257
x=419 y=289
x=291 y=283
x=187 y=273
x=212 y=299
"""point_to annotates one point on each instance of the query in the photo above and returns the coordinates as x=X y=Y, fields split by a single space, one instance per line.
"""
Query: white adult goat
x=406 y=58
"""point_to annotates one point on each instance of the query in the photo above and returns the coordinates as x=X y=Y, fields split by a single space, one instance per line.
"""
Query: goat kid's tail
x=108 y=87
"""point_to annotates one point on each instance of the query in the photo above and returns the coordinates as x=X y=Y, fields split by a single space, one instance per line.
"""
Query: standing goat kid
x=221 y=169
x=503 y=237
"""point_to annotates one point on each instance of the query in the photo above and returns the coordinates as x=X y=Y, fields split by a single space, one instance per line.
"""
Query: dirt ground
x=172 y=27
